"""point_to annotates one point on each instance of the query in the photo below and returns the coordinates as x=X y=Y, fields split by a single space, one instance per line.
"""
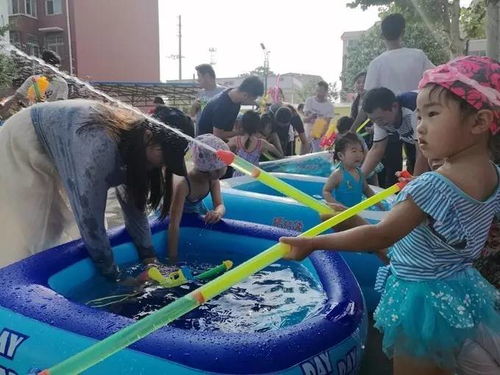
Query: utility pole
x=212 y=51
x=266 y=65
x=180 y=49
x=179 y=55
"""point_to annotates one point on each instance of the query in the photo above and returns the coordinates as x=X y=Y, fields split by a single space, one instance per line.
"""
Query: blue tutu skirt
x=431 y=319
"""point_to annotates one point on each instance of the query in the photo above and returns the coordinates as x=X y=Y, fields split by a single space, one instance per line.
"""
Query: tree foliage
x=370 y=46
x=7 y=66
x=441 y=15
x=309 y=89
x=259 y=71
x=473 y=20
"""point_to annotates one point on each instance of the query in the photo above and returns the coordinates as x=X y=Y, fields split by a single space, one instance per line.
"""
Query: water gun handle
x=214 y=272
x=38 y=95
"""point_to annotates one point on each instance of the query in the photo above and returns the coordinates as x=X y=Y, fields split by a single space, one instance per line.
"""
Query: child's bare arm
x=331 y=184
x=275 y=140
x=219 y=209
x=232 y=144
x=268 y=147
x=400 y=221
x=175 y=216
x=368 y=192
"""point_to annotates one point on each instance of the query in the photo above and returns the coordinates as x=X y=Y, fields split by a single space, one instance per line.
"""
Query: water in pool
x=280 y=295
x=320 y=166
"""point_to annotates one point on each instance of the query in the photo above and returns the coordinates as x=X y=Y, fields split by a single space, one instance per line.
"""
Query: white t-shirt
x=407 y=131
x=57 y=89
x=321 y=109
x=400 y=70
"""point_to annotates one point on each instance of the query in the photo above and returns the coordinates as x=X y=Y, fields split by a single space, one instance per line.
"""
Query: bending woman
x=75 y=150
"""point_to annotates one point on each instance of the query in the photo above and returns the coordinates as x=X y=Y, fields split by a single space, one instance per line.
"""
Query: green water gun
x=184 y=275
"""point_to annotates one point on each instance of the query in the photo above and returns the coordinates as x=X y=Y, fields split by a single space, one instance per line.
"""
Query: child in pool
x=190 y=191
x=347 y=184
x=269 y=131
x=344 y=125
x=433 y=300
x=250 y=146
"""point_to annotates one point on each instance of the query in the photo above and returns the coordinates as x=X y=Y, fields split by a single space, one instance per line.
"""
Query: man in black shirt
x=284 y=116
x=220 y=113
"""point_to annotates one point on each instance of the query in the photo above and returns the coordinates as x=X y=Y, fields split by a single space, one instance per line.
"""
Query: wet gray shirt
x=89 y=163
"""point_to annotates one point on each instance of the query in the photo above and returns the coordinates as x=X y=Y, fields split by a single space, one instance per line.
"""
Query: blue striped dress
x=432 y=297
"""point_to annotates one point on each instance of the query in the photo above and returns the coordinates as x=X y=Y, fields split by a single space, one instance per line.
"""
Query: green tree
x=370 y=46
x=473 y=20
x=437 y=15
x=309 y=89
x=7 y=66
x=259 y=71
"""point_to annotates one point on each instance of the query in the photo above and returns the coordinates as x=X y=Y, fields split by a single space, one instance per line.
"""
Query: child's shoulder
x=181 y=182
x=336 y=174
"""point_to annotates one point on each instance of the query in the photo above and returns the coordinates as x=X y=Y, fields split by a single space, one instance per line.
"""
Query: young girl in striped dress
x=433 y=300
x=250 y=146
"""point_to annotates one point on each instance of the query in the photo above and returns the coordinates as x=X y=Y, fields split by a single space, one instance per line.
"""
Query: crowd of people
x=438 y=314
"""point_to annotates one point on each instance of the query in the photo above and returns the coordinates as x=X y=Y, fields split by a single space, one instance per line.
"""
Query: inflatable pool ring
x=42 y=326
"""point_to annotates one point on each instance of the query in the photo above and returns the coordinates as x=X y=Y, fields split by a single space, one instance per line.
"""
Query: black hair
x=282 y=114
x=358 y=76
x=323 y=84
x=378 y=98
x=393 y=26
x=253 y=86
x=300 y=107
x=250 y=122
x=268 y=118
x=344 y=124
x=149 y=187
x=145 y=187
x=158 y=100
x=342 y=142
x=50 y=57
x=206 y=69
x=176 y=118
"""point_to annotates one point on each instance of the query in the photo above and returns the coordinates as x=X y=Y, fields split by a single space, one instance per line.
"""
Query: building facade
x=4 y=16
x=93 y=37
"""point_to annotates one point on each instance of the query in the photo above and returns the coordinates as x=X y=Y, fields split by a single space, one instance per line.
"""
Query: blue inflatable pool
x=315 y=164
x=248 y=199
x=40 y=326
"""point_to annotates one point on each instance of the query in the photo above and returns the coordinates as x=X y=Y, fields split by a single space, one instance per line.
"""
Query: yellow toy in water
x=173 y=279
x=184 y=275
x=36 y=92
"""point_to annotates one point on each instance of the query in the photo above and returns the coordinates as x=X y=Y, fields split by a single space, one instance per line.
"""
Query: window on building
x=30 y=7
x=15 y=38
x=55 y=42
x=32 y=45
x=14 y=7
x=53 y=7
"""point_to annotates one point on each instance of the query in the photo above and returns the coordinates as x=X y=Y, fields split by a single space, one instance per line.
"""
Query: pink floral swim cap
x=206 y=160
x=475 y=79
